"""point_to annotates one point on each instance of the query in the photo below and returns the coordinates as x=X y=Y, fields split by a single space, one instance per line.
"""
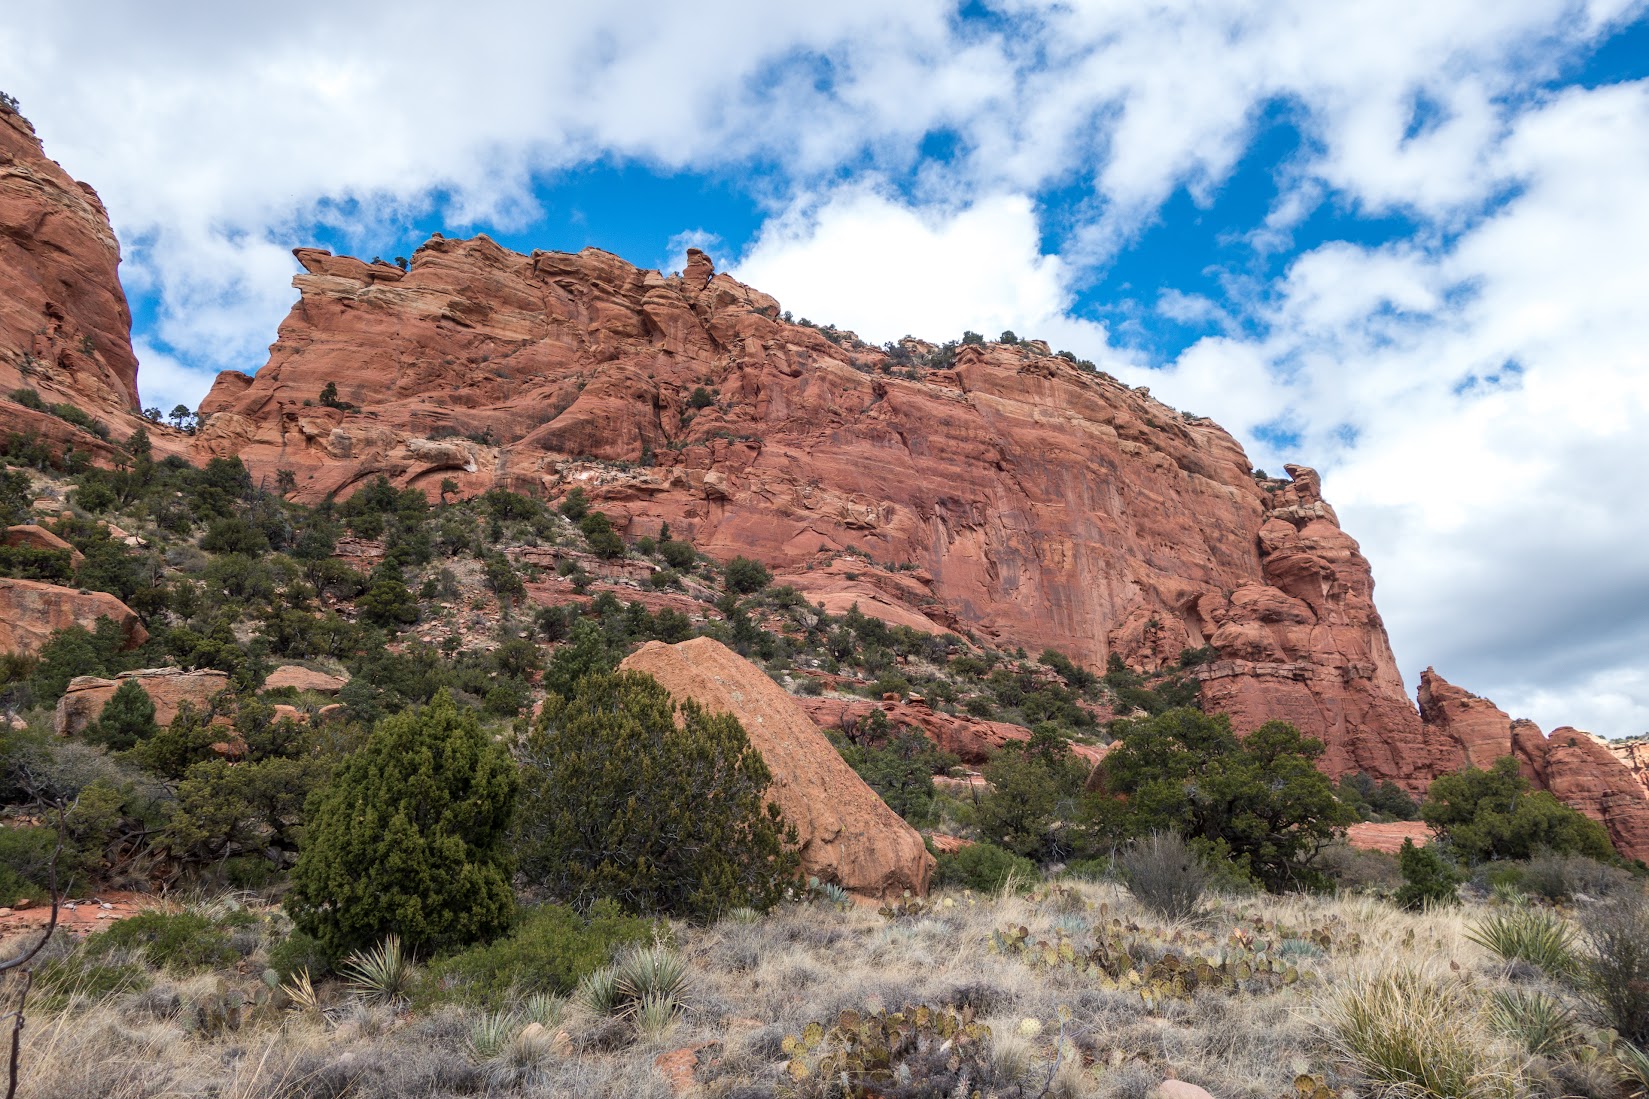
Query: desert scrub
x=1165 y=874
x=987 y=868
x=1615 y=973
x=550 y=949
x=179 y=942
x=1412 y=1032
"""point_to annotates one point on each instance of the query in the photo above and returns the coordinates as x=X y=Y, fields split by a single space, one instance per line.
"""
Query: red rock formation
x=301 y=678
x=848 y=835
x=1388 y=838
x=167 y=688
x=1303 y=643
x=1025 y=500
x=1580 y=770
x=65 y=330
x=972 y=740
x=31 y=611
x=34 y=536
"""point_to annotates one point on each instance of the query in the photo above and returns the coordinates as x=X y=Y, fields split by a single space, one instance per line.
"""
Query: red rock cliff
x=65 y=329
x=1038 y=503
x=1578 y=768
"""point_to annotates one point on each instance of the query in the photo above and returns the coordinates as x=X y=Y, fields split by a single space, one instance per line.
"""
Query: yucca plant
x=744 y=914
x=1417 y=1035
x=1632 y=1065
x=1538 y=936
x=545 y=1009
x=489 y=1033
x=598 y=993
x=383 y=974
x=524 y=1058
x=654 y=1013
x=301 y=991
x=1538 y=1020
x=654 y=975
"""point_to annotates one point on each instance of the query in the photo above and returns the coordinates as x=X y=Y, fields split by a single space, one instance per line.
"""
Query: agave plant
x=383 y=974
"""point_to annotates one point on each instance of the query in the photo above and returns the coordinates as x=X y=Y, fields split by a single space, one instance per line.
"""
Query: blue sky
x=1403 y=241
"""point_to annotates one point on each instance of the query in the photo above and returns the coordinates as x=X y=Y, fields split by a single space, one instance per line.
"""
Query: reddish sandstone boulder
x=30 y=611
x=972 y=740
x=300 y=678
x=34 y=536
x=848 y=835
x=168 y=688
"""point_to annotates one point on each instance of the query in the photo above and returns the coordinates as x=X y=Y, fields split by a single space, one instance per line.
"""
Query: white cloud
x=167 y=382
x=1499 y=506
x=862 y=259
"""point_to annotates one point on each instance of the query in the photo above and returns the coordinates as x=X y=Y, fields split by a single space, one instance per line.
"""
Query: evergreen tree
x=1427 y=878
x=410 y=837
x=622 y=802
x=127 y=718
x=1495 y=814
x=585 y=654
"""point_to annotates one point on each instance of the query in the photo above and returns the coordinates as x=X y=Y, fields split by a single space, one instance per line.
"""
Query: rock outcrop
x=300 y=678
x=1580 y=770
x=31 y=611
x=1010 y=494
x=1388 y=837
x=848 y=835
x=65 y=329
x=34 y=536
x=167 y=688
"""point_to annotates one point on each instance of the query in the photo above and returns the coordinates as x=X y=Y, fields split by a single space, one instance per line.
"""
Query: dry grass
x=1385 y=976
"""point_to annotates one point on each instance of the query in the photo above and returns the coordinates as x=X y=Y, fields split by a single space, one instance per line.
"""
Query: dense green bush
x=25 y=863
x=1428 y=878
x=410 y=838
x=986 y=868
x=550 y=949
x=1258 y=800
x=1494 y=814
x=1035 y=798
x=180 y=942
x=677 y=554
x=621 y=802
x=746 y=576
x=901 y=768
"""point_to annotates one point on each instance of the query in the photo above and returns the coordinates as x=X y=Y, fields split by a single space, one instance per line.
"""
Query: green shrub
x=620 y=801
x=678 y=554
x=299 y=951
x=551 y=948
x=126 y=719
x=410 y=838
x=986 y=868
x=180 y=942
x=1428 y=878
x=25 y=863
x=1615 y=971
x=1494 y=814
x=746 y=576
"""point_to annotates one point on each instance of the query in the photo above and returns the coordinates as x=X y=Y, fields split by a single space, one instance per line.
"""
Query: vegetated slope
x=995 y=490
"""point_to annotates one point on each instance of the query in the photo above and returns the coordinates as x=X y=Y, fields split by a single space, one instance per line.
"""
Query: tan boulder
x=30 y=611
x=38 y=537
x=300 y=678
x=168 y=688
x=1388 y=837
x=848 y=835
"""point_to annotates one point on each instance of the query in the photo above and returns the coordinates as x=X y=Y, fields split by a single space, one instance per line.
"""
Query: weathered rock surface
x=972 y=740
x=34 y=536
x=30 y=611
x=848 y=835
x=300 y=678
x=65 y=329
x=1580 y=770
x=1388 y=837
x=168 y=688
x=1012 y=495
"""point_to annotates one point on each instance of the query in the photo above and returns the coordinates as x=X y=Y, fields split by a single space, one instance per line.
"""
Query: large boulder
x=168 y=688
x=31 y=611
x=848 y=834
x=301 y=678
x=35 y=536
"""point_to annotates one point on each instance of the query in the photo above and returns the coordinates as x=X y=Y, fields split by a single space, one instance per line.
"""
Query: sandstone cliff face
x=1025 y=500
x=848 y=834
x=65 y=329
x=1579 y=769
